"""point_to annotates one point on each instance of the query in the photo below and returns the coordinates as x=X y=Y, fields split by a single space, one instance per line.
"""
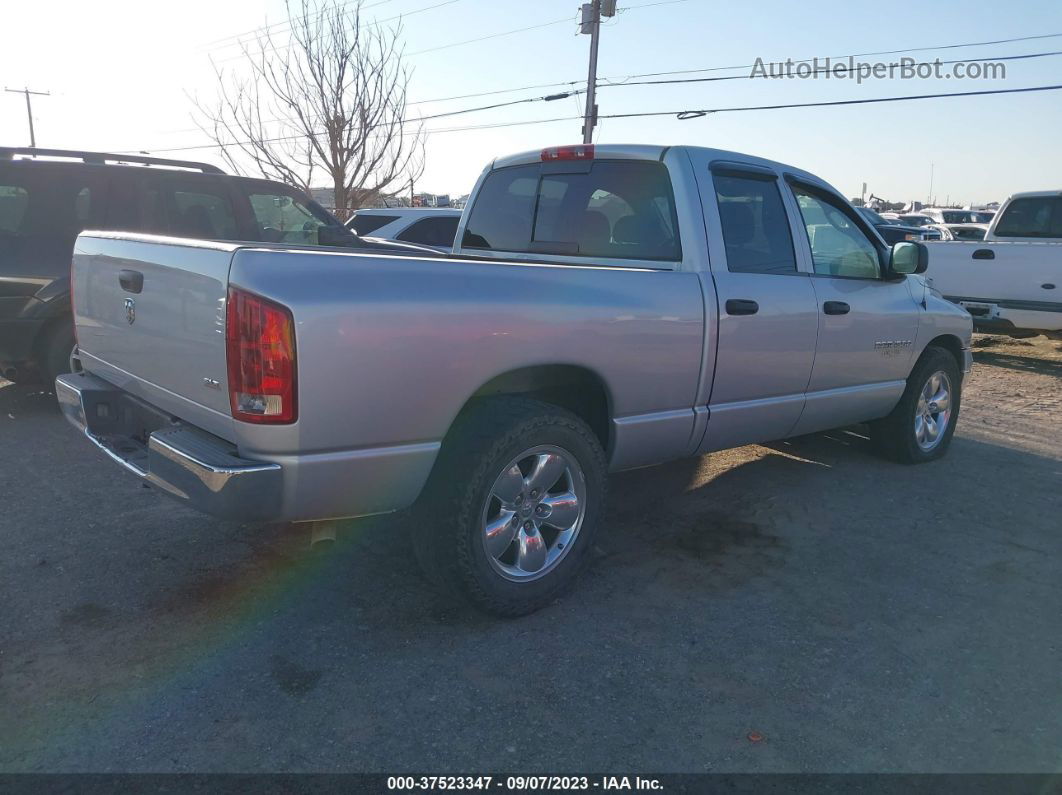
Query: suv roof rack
x=102 y=158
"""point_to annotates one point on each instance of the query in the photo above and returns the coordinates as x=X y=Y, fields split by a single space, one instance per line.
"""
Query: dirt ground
x=803 y=606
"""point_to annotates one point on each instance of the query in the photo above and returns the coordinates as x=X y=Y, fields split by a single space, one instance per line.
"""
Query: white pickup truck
x=604 y=308
x=1011 y=283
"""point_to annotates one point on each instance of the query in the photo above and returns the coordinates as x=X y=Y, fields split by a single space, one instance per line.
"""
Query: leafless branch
x=330 y=97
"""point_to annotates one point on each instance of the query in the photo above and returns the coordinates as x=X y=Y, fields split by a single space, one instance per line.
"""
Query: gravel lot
x=848 y=613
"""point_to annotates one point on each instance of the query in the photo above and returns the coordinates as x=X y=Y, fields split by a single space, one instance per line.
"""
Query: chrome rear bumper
x=185 y=462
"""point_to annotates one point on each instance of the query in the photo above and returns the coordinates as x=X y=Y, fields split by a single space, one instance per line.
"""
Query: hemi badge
x=211 y=383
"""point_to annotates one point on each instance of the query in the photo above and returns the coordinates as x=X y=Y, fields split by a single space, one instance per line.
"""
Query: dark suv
x=49 y=196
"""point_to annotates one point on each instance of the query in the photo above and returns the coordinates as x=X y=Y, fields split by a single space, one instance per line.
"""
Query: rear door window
x=49 y=201
x=202 y=213
x=14 y=200
x=437 y=231
x=617 y=209
x=363 y=225
x=755 y=226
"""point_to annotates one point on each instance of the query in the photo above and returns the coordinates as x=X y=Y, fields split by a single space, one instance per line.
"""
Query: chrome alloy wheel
x=533 y=513
x=933 y=411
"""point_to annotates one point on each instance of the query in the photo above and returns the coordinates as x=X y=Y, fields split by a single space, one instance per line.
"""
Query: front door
x=767 y=314
x=867 y=325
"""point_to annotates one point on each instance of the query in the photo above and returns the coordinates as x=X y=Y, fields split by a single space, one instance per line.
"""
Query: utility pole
x=29 y=107
x=590 y=22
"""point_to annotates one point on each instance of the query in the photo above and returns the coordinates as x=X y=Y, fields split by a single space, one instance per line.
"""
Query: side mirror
x=335 y=236
x=906 y=257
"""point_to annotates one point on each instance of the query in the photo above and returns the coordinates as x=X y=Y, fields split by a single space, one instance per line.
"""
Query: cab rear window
x=1034 y=216
x=617 y=209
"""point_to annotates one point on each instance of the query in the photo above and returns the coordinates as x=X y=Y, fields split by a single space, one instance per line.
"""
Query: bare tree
x=328 y=96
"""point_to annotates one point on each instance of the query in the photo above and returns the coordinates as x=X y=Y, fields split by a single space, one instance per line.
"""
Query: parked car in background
x=960 y=231
x=435 y=227
x=605 y=308
x=893 y=231
x=1011 y=282
x=48 y=196
x=910 y=219
x=1034 y=217
x=947 y=215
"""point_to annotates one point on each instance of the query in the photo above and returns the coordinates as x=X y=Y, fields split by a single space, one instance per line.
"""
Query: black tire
x=56 y=350
x=448 y=519
x=895 y=436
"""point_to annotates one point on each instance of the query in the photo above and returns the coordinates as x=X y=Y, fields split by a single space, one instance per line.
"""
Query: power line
x=852 y=55
x=490 y=36
x=239 y=55
x=534 y=27
x=683 y=115
x=579 y=92
x=831 y=70
x=235 y=38
x=524 y=101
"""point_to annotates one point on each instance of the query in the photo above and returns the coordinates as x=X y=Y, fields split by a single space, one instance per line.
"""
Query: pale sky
x=120 y=73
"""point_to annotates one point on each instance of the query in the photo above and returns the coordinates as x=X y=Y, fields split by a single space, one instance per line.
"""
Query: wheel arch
x=949 y=343
x=576 y=388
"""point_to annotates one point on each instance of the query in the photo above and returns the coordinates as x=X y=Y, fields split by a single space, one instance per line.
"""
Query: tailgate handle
x=131 y=281
x=984 y=253
x=741 y=306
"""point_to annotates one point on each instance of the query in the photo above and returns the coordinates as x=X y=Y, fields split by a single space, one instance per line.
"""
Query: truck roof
x=1035 y=194
x=656 y=152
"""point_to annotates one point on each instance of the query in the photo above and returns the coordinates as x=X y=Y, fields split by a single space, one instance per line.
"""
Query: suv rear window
x=618 y=209
x=367 y=224
x=437 y=231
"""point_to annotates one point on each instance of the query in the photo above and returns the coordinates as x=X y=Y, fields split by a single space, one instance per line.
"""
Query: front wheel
x=513 y=505
x=921 y=426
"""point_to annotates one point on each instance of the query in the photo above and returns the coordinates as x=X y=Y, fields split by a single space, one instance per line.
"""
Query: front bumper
x=185 y=462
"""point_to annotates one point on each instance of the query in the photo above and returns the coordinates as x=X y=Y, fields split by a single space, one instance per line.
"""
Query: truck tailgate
x=150 y=318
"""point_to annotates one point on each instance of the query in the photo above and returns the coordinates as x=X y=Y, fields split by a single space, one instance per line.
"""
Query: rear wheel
x=920 y=428
x=513 y=505
x=58 y=351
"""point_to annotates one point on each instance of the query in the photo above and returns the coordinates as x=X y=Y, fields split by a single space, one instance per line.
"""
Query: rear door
x=867 y=325
x=767 y=317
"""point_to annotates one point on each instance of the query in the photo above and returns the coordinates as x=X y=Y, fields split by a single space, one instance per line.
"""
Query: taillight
x=580 y=152
x=260 y=349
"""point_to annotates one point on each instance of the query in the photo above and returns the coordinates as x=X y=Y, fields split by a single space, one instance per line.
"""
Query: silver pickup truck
x=604 y=308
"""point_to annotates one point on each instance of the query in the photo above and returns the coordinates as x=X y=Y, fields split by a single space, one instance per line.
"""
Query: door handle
x=131 y=281
x=836 y=308
x=741 y=306
x=984 y=253
x=1048 y=286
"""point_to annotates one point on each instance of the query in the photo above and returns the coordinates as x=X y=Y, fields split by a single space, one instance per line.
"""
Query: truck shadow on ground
x=685 y=549
x=1025 y=364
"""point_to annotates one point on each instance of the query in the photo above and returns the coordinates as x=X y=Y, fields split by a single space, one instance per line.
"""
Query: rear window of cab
x=615 y=209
